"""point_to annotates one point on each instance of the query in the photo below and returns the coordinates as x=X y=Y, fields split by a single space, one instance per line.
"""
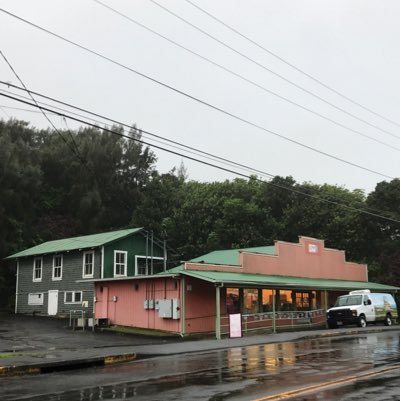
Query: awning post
x=218 y=331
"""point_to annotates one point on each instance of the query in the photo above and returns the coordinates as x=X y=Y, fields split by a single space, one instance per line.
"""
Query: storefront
x=280 y=287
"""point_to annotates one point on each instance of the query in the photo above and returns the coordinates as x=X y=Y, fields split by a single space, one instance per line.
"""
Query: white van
x=362 y=307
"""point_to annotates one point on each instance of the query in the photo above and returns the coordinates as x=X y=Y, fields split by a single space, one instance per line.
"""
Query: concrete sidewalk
x=38 y=344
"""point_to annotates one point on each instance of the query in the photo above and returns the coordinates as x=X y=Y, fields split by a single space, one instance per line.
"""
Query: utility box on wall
x=165 y=308
x=168 y=308
x=176 y=308
x=149 y=304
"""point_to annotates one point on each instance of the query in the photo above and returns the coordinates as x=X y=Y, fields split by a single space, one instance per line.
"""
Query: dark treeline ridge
x=85 y=181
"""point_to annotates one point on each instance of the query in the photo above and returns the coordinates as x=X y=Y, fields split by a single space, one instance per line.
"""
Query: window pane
x=232 y=300
x=251 y=300
x=88 y=258
x=68 y=297
x=267 y=300
x=77 y=296
x=88 y=271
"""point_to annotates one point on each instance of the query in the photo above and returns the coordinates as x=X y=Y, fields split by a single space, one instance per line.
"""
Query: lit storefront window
x=233 y=301
x=267 y=300
x=251 y=300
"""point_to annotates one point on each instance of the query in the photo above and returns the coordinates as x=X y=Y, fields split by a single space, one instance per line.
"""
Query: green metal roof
x=69 y=244
x=246 y=279
x=230 y=257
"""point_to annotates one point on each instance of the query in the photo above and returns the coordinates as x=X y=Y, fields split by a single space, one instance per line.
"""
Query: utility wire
x=243 y=77
x=167 y=141
x=266 y=68
x=73 y=147
x=5 y=113
x=289 y=64
x=117 y=122
x=201 y=161
x=163 y=140
x=216 y=108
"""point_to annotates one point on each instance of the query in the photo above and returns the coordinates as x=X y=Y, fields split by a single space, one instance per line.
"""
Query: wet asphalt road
x=234 y=374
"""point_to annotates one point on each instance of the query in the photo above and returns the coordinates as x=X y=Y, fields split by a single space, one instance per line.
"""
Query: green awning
x=70 y=244
x=266 y=281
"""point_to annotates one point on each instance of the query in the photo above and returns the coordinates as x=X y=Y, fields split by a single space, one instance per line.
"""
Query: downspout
x=183 y=288
x=102 y=262
x=147 y=253
x=164 y=255
x=16 y=289
x=218 y=322
x=151 y=252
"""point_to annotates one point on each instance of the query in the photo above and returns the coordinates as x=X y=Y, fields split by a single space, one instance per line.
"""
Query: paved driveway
x=27 y=333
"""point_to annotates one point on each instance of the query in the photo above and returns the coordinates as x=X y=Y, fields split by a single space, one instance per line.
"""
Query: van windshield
x=349 y=300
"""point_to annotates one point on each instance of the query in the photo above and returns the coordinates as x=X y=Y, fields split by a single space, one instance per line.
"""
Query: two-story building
x=56 y=277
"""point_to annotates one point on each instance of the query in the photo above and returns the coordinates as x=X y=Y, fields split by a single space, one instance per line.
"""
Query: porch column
x=274 y=310
x=183 y=291
x=16 y=288
x=218 y=331
x=325 y=300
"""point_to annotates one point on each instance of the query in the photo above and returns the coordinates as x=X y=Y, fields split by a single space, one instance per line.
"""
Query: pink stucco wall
x=128 y=309
x=200 y=306
x=309 y=258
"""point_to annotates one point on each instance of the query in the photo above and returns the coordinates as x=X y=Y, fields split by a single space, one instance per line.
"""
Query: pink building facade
x=285 y=286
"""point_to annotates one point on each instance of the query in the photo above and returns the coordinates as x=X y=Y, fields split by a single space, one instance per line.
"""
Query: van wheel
x=362 y=321
x=388 y=321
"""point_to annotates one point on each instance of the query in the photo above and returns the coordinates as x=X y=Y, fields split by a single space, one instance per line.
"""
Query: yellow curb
x=18 y=370
x=119 y=358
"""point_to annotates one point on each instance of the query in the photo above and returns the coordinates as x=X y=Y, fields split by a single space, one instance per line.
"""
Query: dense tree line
x=80 y=182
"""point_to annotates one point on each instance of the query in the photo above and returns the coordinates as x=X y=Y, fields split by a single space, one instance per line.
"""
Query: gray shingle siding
x=71 y=272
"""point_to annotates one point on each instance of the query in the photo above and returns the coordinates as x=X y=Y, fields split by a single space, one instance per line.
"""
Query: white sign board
x=235 y=325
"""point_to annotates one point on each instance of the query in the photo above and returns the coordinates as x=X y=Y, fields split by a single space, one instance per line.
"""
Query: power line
x=290 y=64
x=165 y=141
x=201 y=161
x=243 y=77
x=179 y=145
x=5 y=113
x=74 y=147
x=216 y=108
x=266 y=68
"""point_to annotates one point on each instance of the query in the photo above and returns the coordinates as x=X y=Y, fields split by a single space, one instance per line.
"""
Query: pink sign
x=235 y=325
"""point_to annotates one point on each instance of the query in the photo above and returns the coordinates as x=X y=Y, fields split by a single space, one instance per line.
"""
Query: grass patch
x=14 y=354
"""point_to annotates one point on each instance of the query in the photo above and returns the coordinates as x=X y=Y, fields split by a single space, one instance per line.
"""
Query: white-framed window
x=37 y=269
x=142 y=268
x=57 y=267
x=35 y=298
x=120 y=263
x=72 y=297
x=88 y=264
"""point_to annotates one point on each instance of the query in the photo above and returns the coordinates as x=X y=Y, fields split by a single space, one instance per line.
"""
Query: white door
x=52 y=306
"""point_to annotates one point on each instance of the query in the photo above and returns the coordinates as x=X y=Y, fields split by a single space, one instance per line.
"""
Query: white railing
x=279 y=319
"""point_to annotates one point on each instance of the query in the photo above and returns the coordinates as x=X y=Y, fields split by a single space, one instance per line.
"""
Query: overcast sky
x=352 y=46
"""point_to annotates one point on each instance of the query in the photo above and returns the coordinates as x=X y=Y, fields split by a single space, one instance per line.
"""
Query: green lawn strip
x=14 y=354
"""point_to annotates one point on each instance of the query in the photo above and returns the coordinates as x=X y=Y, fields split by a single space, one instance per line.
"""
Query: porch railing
x=283 y=319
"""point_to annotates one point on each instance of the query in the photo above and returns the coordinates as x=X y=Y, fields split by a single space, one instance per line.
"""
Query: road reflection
x=238 y=373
